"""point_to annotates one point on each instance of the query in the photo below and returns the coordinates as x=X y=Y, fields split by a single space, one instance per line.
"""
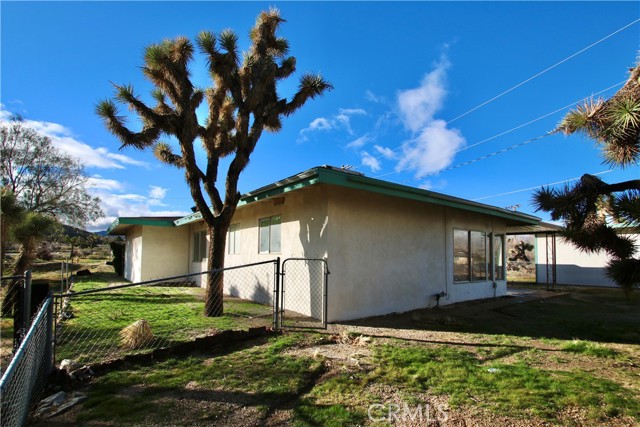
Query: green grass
x=590 y=349
x=505 y=388
x=260 y=376
x=175 y=314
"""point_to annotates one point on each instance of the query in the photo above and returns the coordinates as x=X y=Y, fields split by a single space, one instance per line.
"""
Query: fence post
x=326 y=290
x=276 y=296
x=48 y=352
x=26 y=301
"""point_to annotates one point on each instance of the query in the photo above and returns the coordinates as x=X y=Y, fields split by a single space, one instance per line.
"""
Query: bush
x=117 y=249
x=44 y=254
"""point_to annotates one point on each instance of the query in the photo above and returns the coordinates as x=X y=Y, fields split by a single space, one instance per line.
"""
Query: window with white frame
x=469 y=256
x=269 y=235
x=199 y=246
x=498 y=257
x=233 y=244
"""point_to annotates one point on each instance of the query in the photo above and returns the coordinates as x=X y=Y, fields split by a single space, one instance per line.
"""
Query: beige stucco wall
x=385 y=254
x=573 y=266
x=133 y=254
x=393 y=255
x=164 y=252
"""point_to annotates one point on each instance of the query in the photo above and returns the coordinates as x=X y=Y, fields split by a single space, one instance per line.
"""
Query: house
x=560 y=262
x=389 y=247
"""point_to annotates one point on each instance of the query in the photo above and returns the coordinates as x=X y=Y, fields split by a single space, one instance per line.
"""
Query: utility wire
x=538 y=186
x=542 y=72
x=544 y=116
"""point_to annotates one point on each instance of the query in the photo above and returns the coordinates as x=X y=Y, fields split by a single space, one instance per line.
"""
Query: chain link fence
x=12 y=320
x=97 y=324
x=26 y=375
x=304 y=293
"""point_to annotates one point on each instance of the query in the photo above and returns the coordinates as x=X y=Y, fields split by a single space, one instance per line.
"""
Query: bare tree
x=242 y=102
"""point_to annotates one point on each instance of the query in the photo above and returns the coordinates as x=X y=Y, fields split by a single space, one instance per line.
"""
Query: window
x=232 y=240
x=469 y=256
x=199 y=246
x=270 y=235
x=498 y=257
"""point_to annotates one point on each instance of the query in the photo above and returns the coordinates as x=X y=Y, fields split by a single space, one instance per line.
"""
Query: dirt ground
x=528 y=315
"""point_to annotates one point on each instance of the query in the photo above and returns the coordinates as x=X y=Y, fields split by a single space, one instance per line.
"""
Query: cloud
x=370 y=161
x=339 y=121
x=129 y=204
x=360 y=142
x=417 y=106
x=98 y=183
x=432 y=151
x=63 y=139
x=372 y=97
x=385 y=152
x=433 y=145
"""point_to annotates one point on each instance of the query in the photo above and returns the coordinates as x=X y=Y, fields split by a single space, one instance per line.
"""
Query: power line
x=538 y=186
x=544 y=116
x=542 y=72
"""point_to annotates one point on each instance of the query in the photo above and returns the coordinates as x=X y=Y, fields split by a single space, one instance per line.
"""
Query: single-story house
x=560 y=262
x=389 y=247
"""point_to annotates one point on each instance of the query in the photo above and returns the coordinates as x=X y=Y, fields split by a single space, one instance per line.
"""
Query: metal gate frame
x=281 y=300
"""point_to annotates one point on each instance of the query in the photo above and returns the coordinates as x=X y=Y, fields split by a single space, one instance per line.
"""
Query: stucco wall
x=393 y=255
x=164 y=252
x=133 y=254
x=303 y=234
x=573 y=267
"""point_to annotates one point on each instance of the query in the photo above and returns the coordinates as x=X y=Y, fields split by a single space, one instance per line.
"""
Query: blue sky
x=407 y=76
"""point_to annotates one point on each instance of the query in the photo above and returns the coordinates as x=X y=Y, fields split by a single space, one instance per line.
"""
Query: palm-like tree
x=591 y=208
x=242 y=102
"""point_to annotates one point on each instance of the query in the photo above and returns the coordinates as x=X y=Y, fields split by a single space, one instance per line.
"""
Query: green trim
x=346 y=179
x=139 y=221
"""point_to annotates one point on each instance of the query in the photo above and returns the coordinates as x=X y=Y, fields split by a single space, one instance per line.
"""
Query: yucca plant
x=592 y=209
x=242 y=102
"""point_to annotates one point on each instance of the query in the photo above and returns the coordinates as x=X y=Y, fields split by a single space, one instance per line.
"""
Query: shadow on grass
x=593 y=314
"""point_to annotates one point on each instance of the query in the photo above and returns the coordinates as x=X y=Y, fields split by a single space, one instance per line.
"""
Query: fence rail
x=25 y=377
x=98 y=324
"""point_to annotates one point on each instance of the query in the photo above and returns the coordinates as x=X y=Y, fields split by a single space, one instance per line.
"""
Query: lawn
x=436 y=365
x=174 y=314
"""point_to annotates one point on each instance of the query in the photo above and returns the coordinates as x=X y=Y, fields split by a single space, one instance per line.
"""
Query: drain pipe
x=438 y=296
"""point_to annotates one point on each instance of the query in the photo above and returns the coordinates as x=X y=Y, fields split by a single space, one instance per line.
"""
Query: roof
x=541 y=228
x=120 y=225
x=349 y=179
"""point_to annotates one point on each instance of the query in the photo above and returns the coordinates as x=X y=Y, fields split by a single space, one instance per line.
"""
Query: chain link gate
x=304 y=293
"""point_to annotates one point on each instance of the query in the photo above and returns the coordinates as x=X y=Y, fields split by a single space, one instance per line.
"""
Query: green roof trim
x=347 y=179
x=156 y=222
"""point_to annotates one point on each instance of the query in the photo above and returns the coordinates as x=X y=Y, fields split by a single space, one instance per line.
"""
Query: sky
x=453 y=97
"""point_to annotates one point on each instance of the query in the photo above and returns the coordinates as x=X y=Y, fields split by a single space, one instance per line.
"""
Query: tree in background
x=242 y=103
x=42 y=178
x=593 y=209
x=41 y=186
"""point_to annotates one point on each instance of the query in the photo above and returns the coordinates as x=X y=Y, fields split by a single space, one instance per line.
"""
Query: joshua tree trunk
x=215 y=261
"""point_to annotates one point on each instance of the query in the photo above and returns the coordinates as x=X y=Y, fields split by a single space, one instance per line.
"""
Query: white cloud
x=370 y=96
x=370 y=161
x=98 y=183
x=341 y=120
x=432 y=151
x=433 y=145
x=130 y=204
x=418 y=106
x=359 y=142
x=386 y=152
x=63 y=139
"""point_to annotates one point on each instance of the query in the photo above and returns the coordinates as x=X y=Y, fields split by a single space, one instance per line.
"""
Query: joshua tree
x=590 y=208
x=242 y=102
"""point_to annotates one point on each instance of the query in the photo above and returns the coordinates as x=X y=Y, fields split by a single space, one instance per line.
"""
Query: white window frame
x=503 y=271
x=275 y=220
x=487 y=263
x=199 y=246
x=232 y=240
